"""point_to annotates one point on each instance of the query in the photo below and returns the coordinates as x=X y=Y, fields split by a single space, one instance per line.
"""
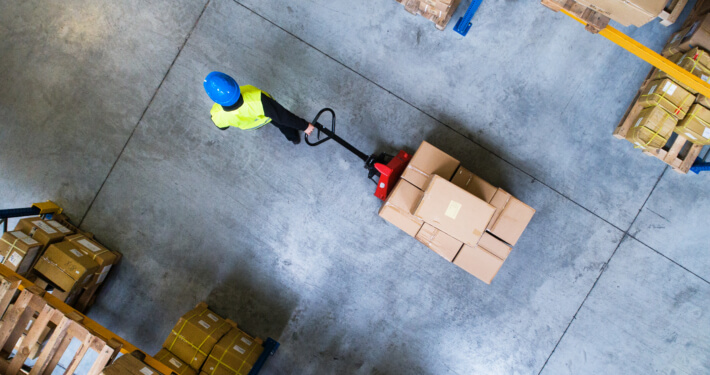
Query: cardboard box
x=195 y=334
x=652 y=128
x=511 y=217
x=696 y=35
x=104 y=257
x=68 y=298
x=440 y=242
x=65 y=266
x=627 y=12
x=696 y=126
x=478 y=262
x=18 y=251
x=703 y=100
x=686 y=61
x=454 y=211
x=174 y=363
x=495 y=246
x=45 y=232
x=669 y=95
x=473 y=184
x=235 y=353
x=399 y=207
x=129 y=365
x=426 y=162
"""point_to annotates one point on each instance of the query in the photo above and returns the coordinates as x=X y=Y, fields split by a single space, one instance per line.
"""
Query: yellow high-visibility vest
x=249 y=116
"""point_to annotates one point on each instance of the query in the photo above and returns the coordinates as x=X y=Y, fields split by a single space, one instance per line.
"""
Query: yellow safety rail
x=622 y=40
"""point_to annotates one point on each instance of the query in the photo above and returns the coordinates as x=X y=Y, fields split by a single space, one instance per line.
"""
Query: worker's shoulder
x=216 y=108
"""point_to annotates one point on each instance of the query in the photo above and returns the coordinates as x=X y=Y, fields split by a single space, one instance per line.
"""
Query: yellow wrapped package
x=691 y=62
x=696 y=126
x=667 y=94
x=652 y=128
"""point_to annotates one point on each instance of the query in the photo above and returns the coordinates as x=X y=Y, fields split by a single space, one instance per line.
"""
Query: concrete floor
x=102 y=111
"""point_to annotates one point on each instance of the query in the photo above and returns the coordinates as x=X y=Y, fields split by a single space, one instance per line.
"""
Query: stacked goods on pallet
x=437 y=11
x=203 y=341
x=45 y=232
x=455 y=213
x=18 y=251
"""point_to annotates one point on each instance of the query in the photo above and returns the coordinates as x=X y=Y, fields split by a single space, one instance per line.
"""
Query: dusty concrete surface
x=285 y=239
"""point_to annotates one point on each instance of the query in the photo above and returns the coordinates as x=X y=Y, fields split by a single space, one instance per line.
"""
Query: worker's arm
x=283 y=116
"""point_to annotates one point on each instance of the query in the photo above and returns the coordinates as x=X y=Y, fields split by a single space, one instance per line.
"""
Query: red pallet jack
x=386 y=167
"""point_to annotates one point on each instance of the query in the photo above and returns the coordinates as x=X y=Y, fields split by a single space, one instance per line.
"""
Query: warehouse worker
x=247 y=108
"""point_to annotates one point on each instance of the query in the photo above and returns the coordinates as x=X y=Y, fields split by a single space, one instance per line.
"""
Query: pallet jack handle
x=330 y=134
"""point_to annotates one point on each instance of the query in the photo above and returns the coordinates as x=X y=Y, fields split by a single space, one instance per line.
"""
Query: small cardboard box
x=18 y=251
x=454 y=211
x=426 y=162
x=703 y=100
x=696 y=35
x=511 y=217
x=696 y=126
x=627 y=12
x=235 y=353
x=478 y=262
x=495 y=246
x=475 y=185
x=65 y=266
x=174 y=363
x=195 y=334
x=101 y=255
x=46 y=232
x=652 y=128
x=129 y=365
x=399 y=207
x=440 y=242
x=667 y=94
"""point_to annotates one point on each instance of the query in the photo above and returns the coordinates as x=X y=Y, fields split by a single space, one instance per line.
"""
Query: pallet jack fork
x=47 y=208
x=386 y=167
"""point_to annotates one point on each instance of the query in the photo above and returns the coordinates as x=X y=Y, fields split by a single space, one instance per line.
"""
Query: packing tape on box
x=410 y=166
x=57 y=267
x=401 y=211
x=198 y=349
x=678 y=108
x=219 y=361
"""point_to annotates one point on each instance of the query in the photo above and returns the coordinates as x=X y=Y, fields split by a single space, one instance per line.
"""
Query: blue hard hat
x=222 y=89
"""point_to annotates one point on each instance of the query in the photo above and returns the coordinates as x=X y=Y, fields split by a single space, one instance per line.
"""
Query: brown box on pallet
x=440 y=242
x=696 y=126
x=627 y=12
x=667 y=94
x=478 y=262
x=511 y=217
x=68 y=298
x=652 y=128
x=46 y=232
x=65 y=266
x=235 y=353
x=399 y=207
x=454 y=211
x=195 y=334
x=686 y=61
x=696 y=35
x=174 y=363
x=475 y=185
x=129 y=365
x=18 y=251
x=703 y=100
x=426 y=162
x=101 y=255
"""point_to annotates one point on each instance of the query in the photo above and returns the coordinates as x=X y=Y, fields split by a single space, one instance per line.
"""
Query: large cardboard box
x=627 y=12
x=174 y=363
x=696 y=35
x=399 y=207
x=652 y=128
x=511 y=217
x=454 y=211
x=18 y=251
x=65 y=266
x=696 y=126
x=475 y=185
x=669 y=95
x=426 y=162
x=478 y=262
x=235 y=354
x=440 y=242
x=101 y=255
x=46 y=232
x=129 y=365
x=195 y=334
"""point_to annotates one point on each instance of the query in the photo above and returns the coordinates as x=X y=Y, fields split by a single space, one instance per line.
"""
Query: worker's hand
x=310 y=129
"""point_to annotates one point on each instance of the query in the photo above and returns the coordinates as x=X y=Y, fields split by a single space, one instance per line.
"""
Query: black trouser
x=290 y=133
x=288 y=123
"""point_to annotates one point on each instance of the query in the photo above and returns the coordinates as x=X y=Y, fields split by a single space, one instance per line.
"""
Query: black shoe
x=296 y=141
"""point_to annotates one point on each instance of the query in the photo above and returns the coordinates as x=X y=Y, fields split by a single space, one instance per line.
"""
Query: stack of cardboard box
x=204 y=342
x=437 y=11
x=455 y=213
x=627 y=12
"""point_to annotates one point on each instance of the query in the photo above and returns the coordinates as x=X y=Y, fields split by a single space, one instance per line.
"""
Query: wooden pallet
x=595 y=20
x=31 y=315
x=412 y=6
x=671 y=13
x=679 y=153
